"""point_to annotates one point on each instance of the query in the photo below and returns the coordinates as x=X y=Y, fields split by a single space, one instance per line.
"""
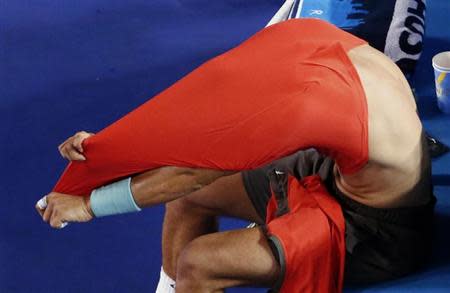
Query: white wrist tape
x=42 y=205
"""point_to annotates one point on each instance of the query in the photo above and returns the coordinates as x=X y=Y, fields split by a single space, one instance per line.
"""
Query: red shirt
x=291 y=86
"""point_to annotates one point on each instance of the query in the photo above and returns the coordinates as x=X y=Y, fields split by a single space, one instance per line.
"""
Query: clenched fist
x=72 y=148
x=57 y=209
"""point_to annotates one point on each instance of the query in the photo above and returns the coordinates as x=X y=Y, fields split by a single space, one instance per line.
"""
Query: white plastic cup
x=441 y=65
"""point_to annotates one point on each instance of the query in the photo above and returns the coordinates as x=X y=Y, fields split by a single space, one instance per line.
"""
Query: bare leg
x=195 y=214
x=217 y=261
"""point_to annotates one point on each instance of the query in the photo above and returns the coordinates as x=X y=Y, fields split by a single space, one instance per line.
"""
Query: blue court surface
x=80 y=65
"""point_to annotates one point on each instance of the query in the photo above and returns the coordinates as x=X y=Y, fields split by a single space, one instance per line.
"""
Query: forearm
x=169 y=183
x=123 y=196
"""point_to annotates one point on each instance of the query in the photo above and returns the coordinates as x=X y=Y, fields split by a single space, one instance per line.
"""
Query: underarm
x=169 y=183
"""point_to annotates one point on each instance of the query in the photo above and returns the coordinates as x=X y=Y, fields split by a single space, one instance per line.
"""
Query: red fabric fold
x=312 y=238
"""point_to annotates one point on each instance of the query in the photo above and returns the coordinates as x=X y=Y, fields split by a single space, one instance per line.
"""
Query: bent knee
x=193 y=268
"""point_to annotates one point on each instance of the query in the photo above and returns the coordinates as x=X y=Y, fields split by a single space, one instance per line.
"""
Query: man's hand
x=72 y=148
x=58 y=208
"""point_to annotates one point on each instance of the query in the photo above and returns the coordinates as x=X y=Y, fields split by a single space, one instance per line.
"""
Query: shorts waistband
x=405 y=216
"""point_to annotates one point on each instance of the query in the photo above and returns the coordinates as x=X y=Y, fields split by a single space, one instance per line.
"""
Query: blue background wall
x=80 y=65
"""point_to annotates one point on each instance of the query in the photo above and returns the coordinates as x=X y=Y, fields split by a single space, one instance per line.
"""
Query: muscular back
x=396 y=152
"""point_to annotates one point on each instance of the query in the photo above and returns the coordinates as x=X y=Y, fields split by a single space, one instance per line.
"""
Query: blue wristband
x=113 y=199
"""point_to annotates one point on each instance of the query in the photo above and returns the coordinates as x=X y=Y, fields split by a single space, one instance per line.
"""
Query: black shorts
x=381 y=244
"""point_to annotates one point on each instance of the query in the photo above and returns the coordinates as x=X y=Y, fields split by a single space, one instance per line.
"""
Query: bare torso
x=395 y=148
